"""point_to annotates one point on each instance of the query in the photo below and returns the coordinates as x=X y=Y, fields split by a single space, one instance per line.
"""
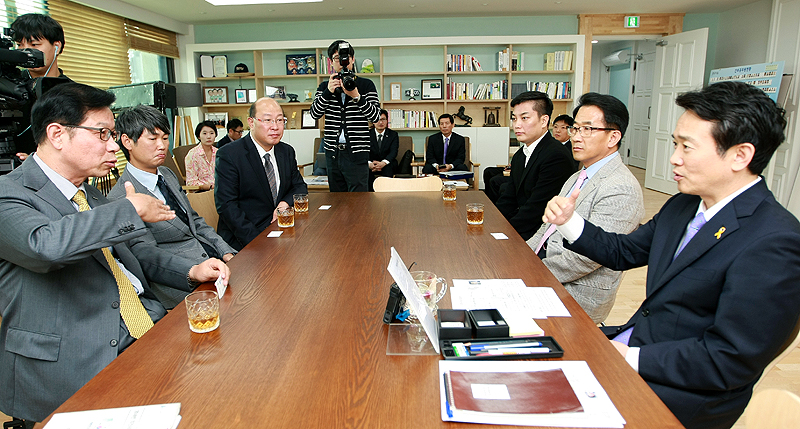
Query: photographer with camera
x=45 y=34
x=349 y=103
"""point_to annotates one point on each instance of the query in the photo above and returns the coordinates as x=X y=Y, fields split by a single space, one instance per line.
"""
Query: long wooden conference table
x=301 y=342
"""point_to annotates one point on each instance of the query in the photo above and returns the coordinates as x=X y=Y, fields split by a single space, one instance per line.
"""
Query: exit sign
x=631 y=22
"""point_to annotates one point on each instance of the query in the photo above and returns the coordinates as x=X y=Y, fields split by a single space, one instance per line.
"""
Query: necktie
x=446 y=143
x=170 y=200
x=273 y=185
x=694 y=226
x=552 y=228
x=130 y=307
x=380 y=141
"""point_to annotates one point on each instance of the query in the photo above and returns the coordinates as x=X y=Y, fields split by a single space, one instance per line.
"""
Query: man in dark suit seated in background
x=73 y=294
x=560 y=126
x=255 y=176
x=723 y=260
x=538 y=169
x=446 y=149
x=235 y=129
x=144 y=134
x=383 y=145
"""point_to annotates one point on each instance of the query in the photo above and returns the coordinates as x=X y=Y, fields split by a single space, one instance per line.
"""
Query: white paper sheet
x=397 y=268
x=509 y=295
x=161 y=416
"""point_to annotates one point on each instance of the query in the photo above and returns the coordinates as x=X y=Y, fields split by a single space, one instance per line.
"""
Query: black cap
x=240 y=68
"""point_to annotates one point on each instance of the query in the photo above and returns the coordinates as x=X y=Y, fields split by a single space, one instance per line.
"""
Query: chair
x=180 y=157
x=390 y=184
x=319 y=158
x=788 y=347
x=773 y=408
x=203 y=203
x=474 y=167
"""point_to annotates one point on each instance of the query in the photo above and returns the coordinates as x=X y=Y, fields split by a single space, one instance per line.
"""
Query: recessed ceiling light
x=413 y=5
x=247 y=2
x=594 y=41
x=341 y=8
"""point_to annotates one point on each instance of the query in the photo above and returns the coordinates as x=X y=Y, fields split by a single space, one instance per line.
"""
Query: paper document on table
x=507 y=294
x=161 y=416
x=597 y=408
x=397 y=268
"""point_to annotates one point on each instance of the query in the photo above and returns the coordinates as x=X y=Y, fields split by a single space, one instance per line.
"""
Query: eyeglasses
x=281 y=121
x=105 y=133
x=586 y=131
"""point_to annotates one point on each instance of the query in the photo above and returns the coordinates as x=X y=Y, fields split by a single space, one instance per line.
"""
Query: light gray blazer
x=59 y=300
x=173 y=237
x=612 y=200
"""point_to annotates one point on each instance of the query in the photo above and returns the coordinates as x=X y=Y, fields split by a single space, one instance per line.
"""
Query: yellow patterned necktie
x=133 y=313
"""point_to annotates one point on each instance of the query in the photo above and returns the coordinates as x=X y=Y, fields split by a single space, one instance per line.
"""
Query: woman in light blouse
x=200 y=159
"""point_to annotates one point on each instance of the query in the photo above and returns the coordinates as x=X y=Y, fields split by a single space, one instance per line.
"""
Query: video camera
x=348 y=77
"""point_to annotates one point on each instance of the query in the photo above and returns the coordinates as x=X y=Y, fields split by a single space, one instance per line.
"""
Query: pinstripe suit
x=612 y=200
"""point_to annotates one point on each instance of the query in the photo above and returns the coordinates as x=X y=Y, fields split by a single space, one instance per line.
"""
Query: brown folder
x=539 y=392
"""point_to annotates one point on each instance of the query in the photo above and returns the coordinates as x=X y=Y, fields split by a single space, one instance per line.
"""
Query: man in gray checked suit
x=610 y=196
x=144 y=134
x=73 y=294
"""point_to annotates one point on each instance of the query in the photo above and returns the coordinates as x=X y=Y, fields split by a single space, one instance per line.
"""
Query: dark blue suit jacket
x=717 y=315
x=456 y=153
x=242 y=193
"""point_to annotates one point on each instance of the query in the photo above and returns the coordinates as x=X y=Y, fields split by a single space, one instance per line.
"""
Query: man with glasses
x=539 y=167
x=384 y=144
x=235 y=129
x=610 y=197
x=74 y=293
x=348 y=113
x=255 y=176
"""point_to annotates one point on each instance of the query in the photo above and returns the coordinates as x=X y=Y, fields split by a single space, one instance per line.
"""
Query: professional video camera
x=348 y=77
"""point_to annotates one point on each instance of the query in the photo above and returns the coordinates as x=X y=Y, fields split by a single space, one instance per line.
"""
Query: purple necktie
x=624 y=337
x=552 y=228
x=446 y=143
x=694 y=226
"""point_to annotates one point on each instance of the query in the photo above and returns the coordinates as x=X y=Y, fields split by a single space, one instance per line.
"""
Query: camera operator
x=43 y=33
x=349 y=103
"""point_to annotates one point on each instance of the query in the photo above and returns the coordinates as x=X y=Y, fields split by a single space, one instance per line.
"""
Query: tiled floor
x=786 y=375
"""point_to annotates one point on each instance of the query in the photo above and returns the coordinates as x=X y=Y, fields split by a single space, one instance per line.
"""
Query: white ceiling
x=201 y=12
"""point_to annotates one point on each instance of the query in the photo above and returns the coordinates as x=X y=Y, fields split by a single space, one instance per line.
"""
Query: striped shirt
x=351 y=117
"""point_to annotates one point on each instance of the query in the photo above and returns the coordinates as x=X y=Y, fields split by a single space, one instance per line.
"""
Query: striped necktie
x=273 y=185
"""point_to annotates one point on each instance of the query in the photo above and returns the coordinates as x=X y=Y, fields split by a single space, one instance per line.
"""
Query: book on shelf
x=558 y=60
x=399 y=118
x=554 y=90
x=497 y=90
x=325 y=65
x=508 y=60
x=461 y=63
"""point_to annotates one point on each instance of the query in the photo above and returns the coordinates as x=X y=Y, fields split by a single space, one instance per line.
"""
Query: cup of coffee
x=286 y=217
x=202 y=307
x=449 y=192
x=300 y=203
x=475 y=214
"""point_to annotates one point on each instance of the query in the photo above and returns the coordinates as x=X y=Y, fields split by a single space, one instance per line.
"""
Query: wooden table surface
x=302 y=343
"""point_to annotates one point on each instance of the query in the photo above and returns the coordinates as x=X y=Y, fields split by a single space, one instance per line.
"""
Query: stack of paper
x=162 y=416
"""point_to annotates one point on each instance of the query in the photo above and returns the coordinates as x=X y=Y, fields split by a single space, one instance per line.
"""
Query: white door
x=639 y=128
x=679 y=67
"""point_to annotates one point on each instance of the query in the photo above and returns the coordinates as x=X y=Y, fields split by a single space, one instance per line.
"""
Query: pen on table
x=500 y=352
x=494 y=343
x=447 y=396
x=506 y=346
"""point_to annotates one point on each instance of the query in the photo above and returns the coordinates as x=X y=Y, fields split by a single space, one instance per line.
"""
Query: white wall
x=743 y=35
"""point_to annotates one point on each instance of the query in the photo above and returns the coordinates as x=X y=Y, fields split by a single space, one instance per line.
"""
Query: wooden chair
x=473 y=167
x=391 y=184
x=773 y=408
x=319 y=158
x=788 y=347
x=180 y=157
x=203 y=203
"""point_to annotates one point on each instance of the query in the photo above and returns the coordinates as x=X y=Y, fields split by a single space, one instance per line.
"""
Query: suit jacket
x=719 y=313
x=568 y=145
x=387 y=150
x=179 y=242
x=223 y=141
x=456 y=153
x=611 y=199
x=58 y=297
x=522 y=202
x=244 y=200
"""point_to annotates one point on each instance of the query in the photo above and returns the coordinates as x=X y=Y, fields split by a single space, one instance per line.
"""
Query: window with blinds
x=147 y=38
x=12 y=9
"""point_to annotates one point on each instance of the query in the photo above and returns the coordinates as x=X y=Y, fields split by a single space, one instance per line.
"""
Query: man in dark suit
x=235 y=129
x=561 y=125
x=73 y=294
x=538 y=169
x=255 y=176
x=446 y=149
x=144 y=134
x=723 y=260
x=383 y=146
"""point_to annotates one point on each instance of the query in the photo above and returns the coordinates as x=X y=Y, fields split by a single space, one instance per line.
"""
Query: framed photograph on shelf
x=276 y=92
x=307 y=120
x=431 y=89
x=251 y=96
x=215 y=95
x=301 y=64
x=396 y=91
x=241 y=96
x=218 y=118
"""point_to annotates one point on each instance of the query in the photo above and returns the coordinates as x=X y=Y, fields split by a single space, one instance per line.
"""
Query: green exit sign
x=631 y=22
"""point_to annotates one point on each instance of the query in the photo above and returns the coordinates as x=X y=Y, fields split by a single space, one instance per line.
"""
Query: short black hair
x=35 y=26
x=132 y=122
x=66 y=104
x=202 y=125
x=448 y=116
x=541 y=102
x=334 y=48
x=740 y=113
x=565 y=118
x=234 y=124
x=384 y=112
x=615 y=114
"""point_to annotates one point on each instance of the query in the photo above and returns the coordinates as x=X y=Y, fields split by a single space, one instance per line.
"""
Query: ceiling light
x=248 y=2
x=594 y=41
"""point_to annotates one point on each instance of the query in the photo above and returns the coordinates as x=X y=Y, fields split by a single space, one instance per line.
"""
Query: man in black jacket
x=384 y=144
x=446 y=150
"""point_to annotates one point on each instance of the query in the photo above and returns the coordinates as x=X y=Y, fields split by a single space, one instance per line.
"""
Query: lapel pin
x=719 y=233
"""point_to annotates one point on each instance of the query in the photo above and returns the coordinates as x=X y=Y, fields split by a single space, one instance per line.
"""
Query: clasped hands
x=376 y=165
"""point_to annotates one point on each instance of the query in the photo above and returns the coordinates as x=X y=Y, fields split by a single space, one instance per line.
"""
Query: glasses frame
x=109 y=133
x=272 y=121
x=582 y=129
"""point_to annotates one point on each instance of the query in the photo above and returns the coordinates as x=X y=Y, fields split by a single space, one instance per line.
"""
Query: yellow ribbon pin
x=719 y=233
